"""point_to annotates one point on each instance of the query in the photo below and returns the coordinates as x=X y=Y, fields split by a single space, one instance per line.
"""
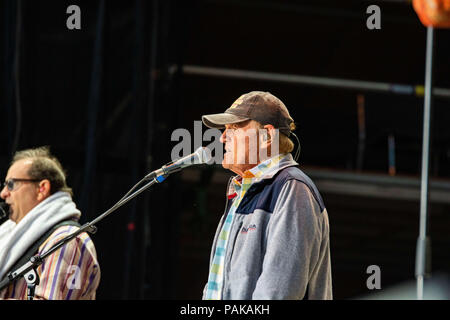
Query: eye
x=9 y=184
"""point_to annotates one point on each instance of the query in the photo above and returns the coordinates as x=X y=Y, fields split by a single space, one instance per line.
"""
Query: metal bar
x=353 y=184
x=422 y=251
x=404 y=89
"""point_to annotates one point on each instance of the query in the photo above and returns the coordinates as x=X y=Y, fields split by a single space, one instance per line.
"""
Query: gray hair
x=45 y=166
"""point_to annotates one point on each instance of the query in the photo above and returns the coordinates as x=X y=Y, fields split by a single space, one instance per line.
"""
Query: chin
x=225 y=165
x=227 y=160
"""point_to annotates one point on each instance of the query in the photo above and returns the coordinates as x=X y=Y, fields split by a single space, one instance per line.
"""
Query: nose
x=223 y=136
x=5 y=193
x=227 y=135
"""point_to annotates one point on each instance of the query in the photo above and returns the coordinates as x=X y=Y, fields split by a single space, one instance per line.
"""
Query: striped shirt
x=238 y=188
x=70 y=273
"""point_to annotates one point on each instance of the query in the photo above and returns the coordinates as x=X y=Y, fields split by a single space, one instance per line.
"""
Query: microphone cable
x=297 y=152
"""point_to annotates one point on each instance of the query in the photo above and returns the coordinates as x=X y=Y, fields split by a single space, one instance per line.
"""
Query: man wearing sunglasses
x=41 y=212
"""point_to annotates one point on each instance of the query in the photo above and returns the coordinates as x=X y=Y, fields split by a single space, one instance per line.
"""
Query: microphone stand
x=28 y=270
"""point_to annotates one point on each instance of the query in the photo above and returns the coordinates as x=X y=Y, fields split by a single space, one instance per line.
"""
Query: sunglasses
x=11 y=183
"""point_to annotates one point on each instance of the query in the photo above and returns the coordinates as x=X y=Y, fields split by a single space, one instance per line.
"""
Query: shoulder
x=293 y=178
x=289 y=184
x=81 y=241
x=292 y=173
x=72 y=271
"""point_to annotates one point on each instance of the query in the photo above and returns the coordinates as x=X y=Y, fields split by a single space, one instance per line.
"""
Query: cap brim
x=219 y=120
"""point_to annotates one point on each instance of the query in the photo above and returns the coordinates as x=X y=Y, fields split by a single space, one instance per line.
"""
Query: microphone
x=4 y=212
x=200 y=156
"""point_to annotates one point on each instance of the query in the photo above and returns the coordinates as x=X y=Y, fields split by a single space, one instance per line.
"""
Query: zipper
x=234 y=240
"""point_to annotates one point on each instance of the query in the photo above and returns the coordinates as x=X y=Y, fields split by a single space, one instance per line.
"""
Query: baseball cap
x=260 y=106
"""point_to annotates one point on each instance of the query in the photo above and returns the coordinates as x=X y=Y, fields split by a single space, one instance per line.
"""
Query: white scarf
x=15 y=239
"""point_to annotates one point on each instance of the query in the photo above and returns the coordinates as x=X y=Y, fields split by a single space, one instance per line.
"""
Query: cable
x=297 y=152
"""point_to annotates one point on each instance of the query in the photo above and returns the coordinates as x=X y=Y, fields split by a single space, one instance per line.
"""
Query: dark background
x=107 y=98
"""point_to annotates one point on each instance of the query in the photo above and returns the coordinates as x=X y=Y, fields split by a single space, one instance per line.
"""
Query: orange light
x=433 y=13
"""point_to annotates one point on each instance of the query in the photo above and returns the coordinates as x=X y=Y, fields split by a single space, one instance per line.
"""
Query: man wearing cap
x=273 y=239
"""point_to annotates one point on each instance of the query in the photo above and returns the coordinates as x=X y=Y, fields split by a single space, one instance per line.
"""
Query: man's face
x=241 y=146
x=24 y=196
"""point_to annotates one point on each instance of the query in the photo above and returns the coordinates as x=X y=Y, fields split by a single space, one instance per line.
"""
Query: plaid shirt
x=238 y=188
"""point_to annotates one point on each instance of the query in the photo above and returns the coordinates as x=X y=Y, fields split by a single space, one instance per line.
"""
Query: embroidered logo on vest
x=251 y=227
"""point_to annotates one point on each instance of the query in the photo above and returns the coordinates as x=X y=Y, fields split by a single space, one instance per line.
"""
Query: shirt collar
x=265 y=170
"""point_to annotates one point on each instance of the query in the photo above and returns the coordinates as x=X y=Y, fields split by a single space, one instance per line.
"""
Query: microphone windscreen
x=203 y=155
x=4 y=210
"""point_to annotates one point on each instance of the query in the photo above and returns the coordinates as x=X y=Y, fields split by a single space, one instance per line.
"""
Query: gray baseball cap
x=260 y=106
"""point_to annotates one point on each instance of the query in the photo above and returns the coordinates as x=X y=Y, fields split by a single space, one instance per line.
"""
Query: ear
x=272 y=141
x=43 y=189
x=269 y=133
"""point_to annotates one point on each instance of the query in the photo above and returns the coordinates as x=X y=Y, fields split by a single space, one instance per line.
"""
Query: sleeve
x=293 y=246
x=70 y=273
